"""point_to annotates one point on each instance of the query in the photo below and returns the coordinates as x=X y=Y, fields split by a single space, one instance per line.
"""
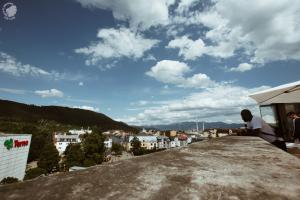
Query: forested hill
x=63 y=115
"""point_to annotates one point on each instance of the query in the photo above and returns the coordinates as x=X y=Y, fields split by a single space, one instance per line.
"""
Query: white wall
x=13 y=162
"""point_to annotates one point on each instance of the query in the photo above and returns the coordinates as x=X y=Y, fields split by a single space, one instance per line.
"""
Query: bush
x=89 y=162
x=9 y=180
x=35 y=172
x=117 y=148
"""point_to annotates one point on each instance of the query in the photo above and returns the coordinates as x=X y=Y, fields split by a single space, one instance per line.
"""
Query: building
x=14 y=149
x=147 y=141
x=108 y=143
x=163 y=142
x=174 y=142
x=80 y=132
x=173 y=133
x=61 y=141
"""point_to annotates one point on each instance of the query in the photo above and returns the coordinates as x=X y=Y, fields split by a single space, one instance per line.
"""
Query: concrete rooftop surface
x=232 y=167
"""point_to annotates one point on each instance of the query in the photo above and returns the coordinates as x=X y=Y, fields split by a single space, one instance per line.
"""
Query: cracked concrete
x=231 y=167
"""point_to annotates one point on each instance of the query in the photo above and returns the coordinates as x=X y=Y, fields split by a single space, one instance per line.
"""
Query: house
x=183 y=139
x=163 y=142
x=174 y=142
x=173 y=133
x=108 y=143
x=61 y=141
x=147 y=141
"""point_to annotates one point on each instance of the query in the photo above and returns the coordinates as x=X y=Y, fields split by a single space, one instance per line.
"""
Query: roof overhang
x=287 y=93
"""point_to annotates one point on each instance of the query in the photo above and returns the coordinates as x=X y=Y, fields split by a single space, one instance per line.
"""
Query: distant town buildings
x=150 y=139
x=62 y=140
x=14 y=149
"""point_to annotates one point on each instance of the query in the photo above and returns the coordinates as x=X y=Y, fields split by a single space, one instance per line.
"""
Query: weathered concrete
x=223 y=168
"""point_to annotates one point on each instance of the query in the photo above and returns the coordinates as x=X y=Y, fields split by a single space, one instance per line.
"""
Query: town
x=117 y=145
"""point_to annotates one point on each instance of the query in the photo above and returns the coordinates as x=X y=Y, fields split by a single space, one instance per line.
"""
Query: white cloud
x=141 y=14
x=49 y=93
x=264 y=30
x=188 y=48
x=80 y=83
x=117 y=43
x=9 y=64
x=242 y=67
x=91 y=108
x=193 y=49
x=169 y=71
x=185 y=5
x=173 y=72
x=212 y=104
x=13 y=91
x=149 y=57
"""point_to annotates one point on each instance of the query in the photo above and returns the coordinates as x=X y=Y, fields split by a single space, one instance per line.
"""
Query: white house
x=108 y=143
x=174 y=142
x=163 y=142
x=61 y=141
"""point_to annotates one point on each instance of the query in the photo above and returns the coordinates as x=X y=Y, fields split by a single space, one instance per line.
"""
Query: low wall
x=232 y=167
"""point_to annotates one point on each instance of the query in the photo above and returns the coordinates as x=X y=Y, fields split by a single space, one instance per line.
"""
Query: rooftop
x=223 y=168
x=12 y=134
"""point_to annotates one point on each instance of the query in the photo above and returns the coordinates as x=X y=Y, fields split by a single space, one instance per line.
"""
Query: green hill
x=15 y=111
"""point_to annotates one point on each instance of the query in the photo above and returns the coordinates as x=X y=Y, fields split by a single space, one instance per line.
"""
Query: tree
x=117 y=148
x=93 y=148
x=136 y=146
x=49 y=158
x=38 y=140
x=74 y=155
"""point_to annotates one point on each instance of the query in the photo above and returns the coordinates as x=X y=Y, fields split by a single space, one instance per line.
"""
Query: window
x=269 y=115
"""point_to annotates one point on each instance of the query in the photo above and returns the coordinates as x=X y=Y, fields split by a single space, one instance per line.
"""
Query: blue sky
x=149 y=62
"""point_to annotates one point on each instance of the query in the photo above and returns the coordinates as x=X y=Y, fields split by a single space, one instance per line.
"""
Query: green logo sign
x=9 y=143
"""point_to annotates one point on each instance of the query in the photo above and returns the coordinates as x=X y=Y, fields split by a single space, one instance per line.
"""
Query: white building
x=163 y=142
x=108 y=143
x=174 y=142
x=14 y=149
x=80 y=132
x=189 y=140
x=61 y=141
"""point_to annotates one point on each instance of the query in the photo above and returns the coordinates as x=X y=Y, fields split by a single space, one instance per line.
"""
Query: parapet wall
x=231 y=167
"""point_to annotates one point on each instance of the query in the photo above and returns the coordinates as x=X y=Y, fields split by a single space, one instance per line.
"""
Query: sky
x=148 y=62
